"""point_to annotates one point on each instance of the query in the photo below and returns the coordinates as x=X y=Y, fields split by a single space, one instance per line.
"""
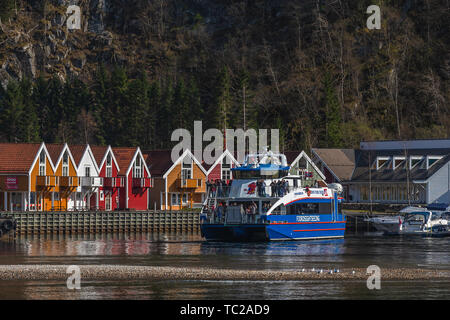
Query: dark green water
x=190 y=250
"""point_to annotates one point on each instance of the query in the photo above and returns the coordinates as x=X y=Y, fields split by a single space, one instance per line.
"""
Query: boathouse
x=177 y=185
x=221 y=168
x=86 y=196
x=403 y=172
x=27 y=178
x=301 y=165
x=108 y=167
x=390 y=172
x=135 y=175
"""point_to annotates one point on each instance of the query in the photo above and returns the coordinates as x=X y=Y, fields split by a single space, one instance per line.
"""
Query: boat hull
x=234 y=233
x=280 y=227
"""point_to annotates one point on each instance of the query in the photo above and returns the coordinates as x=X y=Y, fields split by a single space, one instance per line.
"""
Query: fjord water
x=189 y=250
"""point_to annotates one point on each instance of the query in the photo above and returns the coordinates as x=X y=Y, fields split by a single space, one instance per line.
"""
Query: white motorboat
x=415 y=221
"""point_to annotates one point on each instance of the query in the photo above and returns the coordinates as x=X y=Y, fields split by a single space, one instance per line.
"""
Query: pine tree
x=136 y=110
x=224 y=99
x=333 y=116
x=100 y=103
x=29 y=121
x=12 y=109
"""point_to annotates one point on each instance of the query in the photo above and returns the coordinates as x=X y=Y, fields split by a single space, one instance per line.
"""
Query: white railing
x=91 y=181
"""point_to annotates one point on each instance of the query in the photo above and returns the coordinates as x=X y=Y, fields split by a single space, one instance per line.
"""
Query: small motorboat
x=414 y=221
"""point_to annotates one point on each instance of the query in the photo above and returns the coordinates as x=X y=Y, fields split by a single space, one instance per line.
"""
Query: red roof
x=77 y=151
x=99 y=153
x=17 y=157
x=54 y=150
x=158 y=161
x=124 y=157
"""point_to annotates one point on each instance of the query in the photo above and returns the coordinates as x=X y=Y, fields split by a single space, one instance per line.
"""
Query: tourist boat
x=250 y=209
x=415 y=221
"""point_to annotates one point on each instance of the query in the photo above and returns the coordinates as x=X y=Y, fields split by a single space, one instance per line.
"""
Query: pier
x=73 y=222
x=81 y=222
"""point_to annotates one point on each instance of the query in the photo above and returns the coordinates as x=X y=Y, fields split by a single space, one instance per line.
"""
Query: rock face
x=35 y=44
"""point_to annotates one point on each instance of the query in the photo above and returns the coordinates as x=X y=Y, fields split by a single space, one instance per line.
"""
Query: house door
x=16 y=201
x=108 y=201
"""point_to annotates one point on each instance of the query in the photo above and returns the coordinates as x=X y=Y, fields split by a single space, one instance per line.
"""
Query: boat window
x=256 y=174
x=308 y=208
x=415 y=217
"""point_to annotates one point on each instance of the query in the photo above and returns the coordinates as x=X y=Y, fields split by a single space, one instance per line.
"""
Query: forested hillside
x=137 y=70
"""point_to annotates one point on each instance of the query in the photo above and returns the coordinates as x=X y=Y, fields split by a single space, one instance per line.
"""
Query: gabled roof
x=224 y=154
x=55 y=150
x=18 y=157
x=78 y=151
x=291 y=156
x=57 y=157
x=160 y=162
x=125 y=157
x=99 y=153
x=340 y=162
x=365 y=171
x=308 y=159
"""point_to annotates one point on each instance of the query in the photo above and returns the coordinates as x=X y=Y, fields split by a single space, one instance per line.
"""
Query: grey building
x=401 y=172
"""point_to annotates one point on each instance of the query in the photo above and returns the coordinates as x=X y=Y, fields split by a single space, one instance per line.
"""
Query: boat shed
x=401 y=172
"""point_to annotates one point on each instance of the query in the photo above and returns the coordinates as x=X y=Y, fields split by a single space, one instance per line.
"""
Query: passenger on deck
x=263 y=189
x=273 y=188
x=219 y=212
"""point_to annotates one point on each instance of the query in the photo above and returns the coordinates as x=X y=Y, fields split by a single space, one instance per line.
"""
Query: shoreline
x=124 y=272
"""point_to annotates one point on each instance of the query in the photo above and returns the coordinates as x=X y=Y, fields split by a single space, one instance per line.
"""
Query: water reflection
x=189 y=250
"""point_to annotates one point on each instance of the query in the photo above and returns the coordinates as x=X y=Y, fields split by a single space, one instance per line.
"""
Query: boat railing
x=216 y=217
x=267 y=191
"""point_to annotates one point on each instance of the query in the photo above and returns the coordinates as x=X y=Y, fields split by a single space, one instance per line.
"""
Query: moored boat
x=264 y=203
x=416 y=221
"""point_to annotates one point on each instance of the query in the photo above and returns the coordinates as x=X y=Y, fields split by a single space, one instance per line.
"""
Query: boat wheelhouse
x=263 y=202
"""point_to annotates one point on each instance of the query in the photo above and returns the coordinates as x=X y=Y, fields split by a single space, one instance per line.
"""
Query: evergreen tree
x=51 y=111
x=12 y=108
x=332 y=115
x=180 y=106
x=115 y=112
x=29 y=122
x=224 y=100
x=100 y=103
x=195 y=108
x=136 y=111
x=151 y=129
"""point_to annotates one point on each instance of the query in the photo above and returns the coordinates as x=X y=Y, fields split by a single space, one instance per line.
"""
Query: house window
x=414 y=161
x=382 y=161
x=431 y=160
x=65 y=165
x=138 y=168
x=398 y=161
x=186 y=170
x=108 y=166
x=226 y=169
x=175 y=199
x=185 y=198
x=32 y=205
x=42 y=163
x=108 y=199
x=87 y=171
x=364 y=193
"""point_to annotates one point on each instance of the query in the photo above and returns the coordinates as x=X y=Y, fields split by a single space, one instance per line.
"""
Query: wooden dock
x=74 y=222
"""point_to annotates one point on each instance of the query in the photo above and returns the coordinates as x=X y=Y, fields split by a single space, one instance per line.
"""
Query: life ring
x=7 y=225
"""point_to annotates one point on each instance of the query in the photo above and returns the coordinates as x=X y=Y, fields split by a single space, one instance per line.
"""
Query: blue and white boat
x=265 y=203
